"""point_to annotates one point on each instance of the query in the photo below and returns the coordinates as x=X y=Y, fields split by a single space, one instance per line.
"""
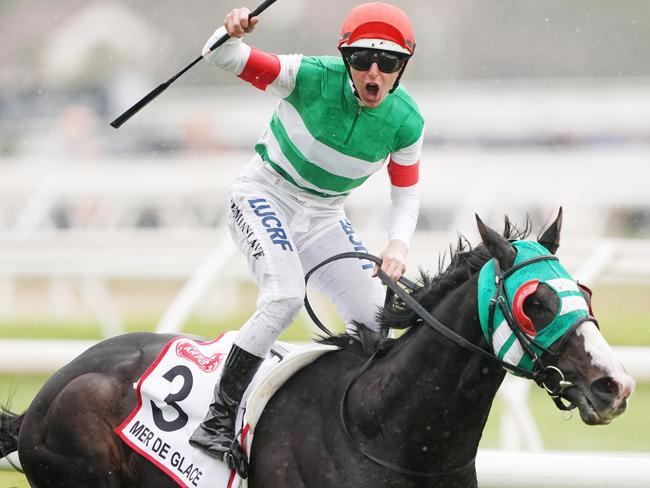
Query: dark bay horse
x=412 y=416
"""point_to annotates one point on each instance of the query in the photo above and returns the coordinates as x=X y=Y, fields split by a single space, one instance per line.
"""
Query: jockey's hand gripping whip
x=149 y=97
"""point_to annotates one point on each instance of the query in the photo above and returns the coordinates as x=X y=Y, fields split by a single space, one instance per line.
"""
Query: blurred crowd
x=70 y=67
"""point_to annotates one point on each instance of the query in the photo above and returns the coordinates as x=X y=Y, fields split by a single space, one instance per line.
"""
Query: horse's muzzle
x=602 y=400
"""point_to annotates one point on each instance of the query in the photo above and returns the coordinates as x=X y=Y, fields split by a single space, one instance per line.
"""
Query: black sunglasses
x=387 y=62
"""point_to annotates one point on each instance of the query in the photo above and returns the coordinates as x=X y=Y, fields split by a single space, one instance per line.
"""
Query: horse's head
x=538 y=319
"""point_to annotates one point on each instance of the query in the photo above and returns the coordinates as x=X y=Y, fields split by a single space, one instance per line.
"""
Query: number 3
x=171 y=399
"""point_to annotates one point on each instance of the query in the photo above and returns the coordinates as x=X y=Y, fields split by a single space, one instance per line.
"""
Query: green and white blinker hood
x=518 y=285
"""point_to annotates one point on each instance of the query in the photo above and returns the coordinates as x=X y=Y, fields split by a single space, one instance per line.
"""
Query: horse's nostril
x=606 y=388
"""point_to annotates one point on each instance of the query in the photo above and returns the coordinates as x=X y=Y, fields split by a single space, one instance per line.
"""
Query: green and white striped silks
x=323 y=141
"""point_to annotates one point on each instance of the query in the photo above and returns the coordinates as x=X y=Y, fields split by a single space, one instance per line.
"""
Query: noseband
x=540 y=374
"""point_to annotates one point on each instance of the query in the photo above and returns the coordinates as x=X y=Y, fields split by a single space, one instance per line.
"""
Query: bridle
x=540 y=374
x=541 y=370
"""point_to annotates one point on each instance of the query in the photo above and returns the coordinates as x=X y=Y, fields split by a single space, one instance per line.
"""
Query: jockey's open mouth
x=371 y=95
x=372 y=88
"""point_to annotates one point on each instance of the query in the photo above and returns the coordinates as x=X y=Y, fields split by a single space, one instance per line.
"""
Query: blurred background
x=529 y=106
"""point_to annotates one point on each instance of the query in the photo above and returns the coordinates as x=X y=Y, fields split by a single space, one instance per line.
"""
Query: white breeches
x=285 y=232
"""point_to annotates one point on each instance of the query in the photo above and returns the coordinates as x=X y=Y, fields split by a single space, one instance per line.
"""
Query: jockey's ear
x=550 y=239
x=498 y=246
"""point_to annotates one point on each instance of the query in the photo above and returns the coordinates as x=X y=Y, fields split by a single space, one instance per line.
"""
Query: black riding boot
x=216 y=435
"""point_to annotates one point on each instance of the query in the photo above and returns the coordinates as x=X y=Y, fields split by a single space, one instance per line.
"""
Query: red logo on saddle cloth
x=191 y=353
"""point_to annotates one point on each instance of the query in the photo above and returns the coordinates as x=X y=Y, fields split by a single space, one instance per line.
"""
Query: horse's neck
x=429 y=395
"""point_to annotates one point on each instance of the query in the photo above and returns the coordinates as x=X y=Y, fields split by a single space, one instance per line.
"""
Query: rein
x=539 y=376
x=426 y=317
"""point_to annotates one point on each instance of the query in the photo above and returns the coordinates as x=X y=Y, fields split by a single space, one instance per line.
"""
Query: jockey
x=338 y=120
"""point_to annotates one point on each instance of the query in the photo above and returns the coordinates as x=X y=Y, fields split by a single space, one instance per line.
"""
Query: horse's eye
x=541 y=307
x=533 y=305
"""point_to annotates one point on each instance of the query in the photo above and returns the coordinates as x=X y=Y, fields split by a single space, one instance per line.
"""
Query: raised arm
x=260 y=69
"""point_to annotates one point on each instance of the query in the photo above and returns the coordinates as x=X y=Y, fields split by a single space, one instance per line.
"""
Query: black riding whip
x=163 y=86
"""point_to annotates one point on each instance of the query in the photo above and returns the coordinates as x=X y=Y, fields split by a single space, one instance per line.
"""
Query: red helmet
x=377 y=25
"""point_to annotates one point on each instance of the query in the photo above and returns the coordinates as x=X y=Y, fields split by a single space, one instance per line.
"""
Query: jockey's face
x=372 y=84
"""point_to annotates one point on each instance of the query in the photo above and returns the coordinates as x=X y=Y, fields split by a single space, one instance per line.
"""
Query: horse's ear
x=550 y=239
x=498 y=246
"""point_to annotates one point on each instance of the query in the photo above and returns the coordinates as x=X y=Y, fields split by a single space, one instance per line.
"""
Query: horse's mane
x=464 y=261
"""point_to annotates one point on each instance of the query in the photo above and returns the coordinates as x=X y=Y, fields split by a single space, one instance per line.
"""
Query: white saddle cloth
x=174 y=395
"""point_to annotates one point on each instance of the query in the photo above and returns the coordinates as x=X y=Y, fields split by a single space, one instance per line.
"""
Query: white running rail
x=516 y=469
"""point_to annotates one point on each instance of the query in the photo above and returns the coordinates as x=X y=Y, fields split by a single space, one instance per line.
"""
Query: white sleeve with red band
x=231 y=56
x=260 y=69
x=403 y=170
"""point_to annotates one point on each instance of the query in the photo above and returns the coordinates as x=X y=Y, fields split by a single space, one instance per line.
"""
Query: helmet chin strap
x=347 y=67
x=399 y=77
